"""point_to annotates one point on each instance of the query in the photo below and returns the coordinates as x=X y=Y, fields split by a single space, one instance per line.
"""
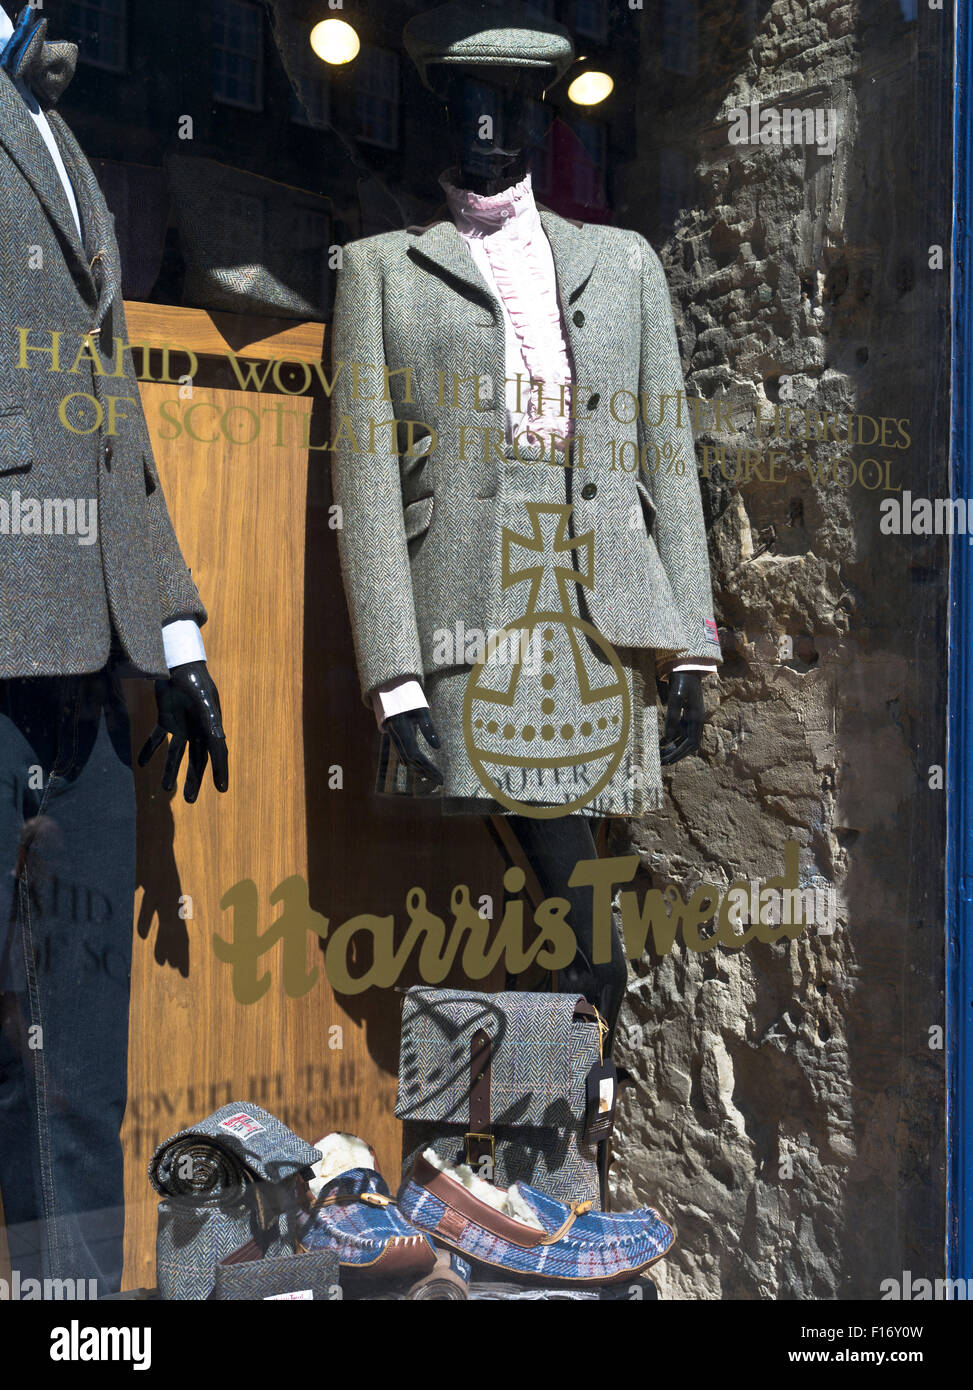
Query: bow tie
x=46 y=68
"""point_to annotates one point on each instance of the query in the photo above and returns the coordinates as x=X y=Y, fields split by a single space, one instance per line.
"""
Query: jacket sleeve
x=367 y=486
x=668 y=469
x=178 y=595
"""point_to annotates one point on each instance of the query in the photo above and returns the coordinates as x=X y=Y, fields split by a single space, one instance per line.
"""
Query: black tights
x=553 y=847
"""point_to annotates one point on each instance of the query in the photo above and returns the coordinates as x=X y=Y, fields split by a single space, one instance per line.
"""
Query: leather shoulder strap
x=479 y=1139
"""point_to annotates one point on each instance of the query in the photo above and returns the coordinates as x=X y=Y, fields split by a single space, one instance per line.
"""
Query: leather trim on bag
x=481 y=1056
x=245 y=1254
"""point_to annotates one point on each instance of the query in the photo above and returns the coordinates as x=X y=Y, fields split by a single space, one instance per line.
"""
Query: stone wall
x=786 y=1106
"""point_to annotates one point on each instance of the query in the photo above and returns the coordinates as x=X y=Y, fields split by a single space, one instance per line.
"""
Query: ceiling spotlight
x=335 y=42
x=590 y=88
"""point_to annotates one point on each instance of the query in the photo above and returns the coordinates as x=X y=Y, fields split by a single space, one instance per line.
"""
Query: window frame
x=81 y=29
x=598 y=34
x=395 y=103
x=236 y=102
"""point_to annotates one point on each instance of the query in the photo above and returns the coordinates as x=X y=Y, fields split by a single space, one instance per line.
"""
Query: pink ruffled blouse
x=507 y=241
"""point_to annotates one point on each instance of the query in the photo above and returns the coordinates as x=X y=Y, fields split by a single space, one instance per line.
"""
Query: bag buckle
x=472 y=1134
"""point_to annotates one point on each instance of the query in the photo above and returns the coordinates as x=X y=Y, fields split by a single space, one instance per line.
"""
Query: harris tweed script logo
x=770 y=910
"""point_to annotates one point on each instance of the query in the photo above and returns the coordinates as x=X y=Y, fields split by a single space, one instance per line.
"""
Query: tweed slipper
x=355 y=1216
x=568 y=1243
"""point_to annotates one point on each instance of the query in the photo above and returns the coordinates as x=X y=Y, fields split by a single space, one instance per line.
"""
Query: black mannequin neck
x=515 y=172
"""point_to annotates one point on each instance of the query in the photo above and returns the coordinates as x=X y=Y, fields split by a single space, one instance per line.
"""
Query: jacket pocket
x=151 y=482
x=648 y=506
x=16 y=444
x=418 y=518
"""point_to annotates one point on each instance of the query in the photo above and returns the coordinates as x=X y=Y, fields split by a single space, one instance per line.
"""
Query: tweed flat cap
x=503 y=36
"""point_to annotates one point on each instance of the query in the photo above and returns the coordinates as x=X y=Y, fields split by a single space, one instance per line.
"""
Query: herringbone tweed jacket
x=59 y=600
x=421 y=537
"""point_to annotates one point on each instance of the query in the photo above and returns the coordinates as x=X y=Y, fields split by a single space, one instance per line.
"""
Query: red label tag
x=242 y=1124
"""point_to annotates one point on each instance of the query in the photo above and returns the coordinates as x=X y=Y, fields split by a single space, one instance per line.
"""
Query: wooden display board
x=253 y=522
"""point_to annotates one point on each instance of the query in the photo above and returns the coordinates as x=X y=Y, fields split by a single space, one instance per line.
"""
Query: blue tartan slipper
x=355 y=1216
x=527 y=1233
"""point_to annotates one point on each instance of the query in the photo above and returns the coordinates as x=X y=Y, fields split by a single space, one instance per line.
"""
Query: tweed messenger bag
x=502 y=1082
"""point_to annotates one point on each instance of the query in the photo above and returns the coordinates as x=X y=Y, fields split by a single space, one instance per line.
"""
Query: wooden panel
x=279 y=647
x=158 y=325
x=193 y=1046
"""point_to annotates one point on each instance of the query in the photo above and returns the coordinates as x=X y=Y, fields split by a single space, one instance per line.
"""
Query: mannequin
x=74 y=619
x=435 y=529
x=501 y=292
x=488 y=167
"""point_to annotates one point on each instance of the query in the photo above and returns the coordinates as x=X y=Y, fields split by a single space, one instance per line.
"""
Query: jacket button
x=588 y=491
x=593 y=402
x=579 y=318
x=109 y=454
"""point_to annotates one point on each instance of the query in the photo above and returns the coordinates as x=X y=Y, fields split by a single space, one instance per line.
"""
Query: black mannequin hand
x=189 y=710
x=685 y=715
x=404 y=730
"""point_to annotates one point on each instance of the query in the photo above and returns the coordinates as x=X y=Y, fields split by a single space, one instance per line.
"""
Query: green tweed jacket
x=423 y=498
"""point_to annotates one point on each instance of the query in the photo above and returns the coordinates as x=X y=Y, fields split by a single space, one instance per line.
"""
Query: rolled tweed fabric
x=236 y=1145
x=227 y=1182
x=447 y=1282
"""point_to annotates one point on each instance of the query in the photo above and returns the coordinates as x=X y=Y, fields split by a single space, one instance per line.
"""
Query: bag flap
x=542 y=1049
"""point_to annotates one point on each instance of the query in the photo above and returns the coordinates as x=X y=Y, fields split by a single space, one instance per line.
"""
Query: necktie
x=46 y=68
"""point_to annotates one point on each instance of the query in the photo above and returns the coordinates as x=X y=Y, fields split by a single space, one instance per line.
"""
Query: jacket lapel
x=575 y=248
x=99 y=233
x=442 y=247
x=25 y=145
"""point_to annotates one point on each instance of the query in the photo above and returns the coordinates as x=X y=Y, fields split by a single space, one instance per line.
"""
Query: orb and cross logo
x=557 y=726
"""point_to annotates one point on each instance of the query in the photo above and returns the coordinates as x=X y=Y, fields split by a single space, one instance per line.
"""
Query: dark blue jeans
x=67 y=883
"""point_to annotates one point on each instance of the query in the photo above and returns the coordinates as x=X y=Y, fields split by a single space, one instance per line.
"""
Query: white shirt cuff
x=395 y=697
x=694 y=666
x=182 y=641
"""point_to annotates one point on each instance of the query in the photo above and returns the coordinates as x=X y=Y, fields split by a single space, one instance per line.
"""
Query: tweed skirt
x=542 y=712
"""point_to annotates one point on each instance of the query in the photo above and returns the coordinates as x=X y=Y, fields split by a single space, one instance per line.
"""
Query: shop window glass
x=378 y=98
x=238 y=54
x=99 y=29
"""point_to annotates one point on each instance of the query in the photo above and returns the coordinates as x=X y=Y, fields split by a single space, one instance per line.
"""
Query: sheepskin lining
x=508 y=1203
x=339 y=1152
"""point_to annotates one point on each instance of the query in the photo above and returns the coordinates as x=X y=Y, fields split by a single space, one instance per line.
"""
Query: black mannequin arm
x=189 y=711
x=685 y=715
x=404 y=730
